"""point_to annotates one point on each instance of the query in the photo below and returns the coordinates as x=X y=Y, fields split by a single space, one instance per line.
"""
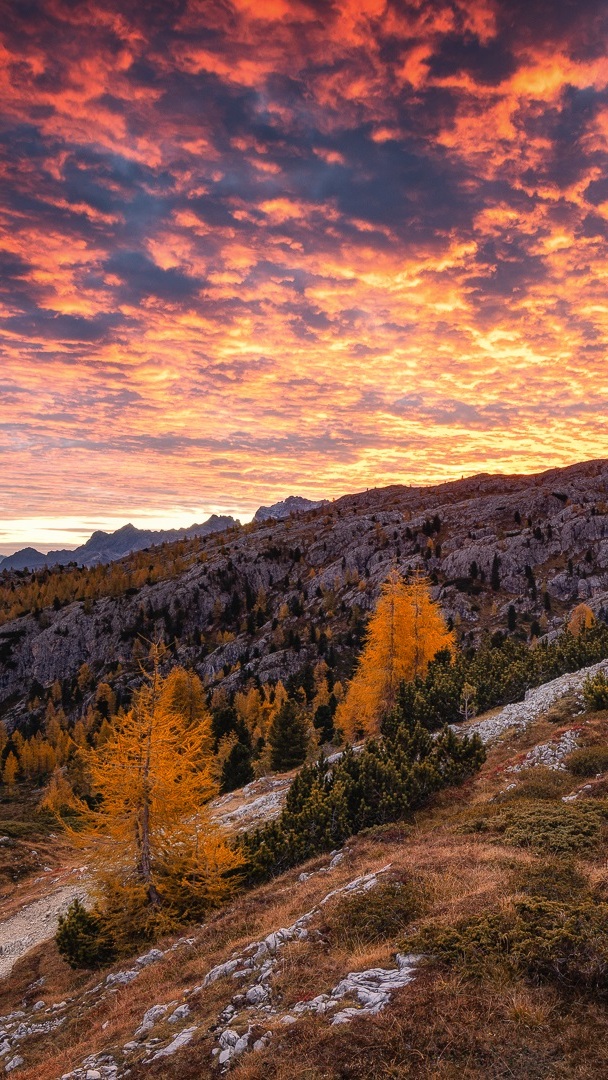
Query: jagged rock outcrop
x=293 y=504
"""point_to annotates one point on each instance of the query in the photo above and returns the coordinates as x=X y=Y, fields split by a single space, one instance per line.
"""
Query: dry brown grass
x=463 y=876
x=444 y=1028
x=32 y=856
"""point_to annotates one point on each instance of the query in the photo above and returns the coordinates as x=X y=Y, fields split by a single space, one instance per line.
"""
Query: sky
x=252 y=248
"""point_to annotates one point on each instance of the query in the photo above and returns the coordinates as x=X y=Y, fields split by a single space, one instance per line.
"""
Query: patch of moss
x=551 y=879
x=539 y=783
x=588 y=761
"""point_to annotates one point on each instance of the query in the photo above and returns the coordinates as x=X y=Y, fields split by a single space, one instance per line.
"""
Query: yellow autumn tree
x=406 y=630
x=183 y=693
x=581 y=619
x=9 y=772
x=58 y=797
x=158 y=857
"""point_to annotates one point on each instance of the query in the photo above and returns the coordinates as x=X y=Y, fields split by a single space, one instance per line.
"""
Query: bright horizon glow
x=51 y=534
x=252 y=250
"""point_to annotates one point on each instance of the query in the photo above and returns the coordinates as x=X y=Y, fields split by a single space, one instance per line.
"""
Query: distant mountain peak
x=105 y=547
x=291 y=505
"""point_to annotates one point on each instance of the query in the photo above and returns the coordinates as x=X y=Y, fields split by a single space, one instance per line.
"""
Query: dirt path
x=35 y=923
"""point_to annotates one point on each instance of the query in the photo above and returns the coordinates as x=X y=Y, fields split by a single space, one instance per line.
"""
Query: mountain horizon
x=106 y=546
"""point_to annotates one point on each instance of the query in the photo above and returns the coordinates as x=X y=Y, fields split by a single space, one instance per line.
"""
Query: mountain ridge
x=104 y=547
x=266 y=600
x=293 y=504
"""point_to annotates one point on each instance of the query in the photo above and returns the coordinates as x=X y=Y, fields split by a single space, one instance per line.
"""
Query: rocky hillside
x=263 y=601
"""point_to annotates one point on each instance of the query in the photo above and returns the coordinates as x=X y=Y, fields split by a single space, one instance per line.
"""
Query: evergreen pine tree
x=288 y=738
x=237 y=769
x=83 y=939
x=324 y=722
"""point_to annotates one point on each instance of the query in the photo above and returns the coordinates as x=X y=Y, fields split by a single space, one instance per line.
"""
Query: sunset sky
x=252 y=248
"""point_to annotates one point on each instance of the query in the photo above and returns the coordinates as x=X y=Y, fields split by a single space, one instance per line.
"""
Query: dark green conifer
x=237 y=769
x=288 y=738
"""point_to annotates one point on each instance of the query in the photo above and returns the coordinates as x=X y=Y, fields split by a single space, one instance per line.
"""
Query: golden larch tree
x=581 y=619
x=406 y=630
x=149 y=837
x=9 y=772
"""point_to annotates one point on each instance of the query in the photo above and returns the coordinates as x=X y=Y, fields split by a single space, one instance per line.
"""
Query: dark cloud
x=141 y=277
x=579 y=26
x=488 y=63
x=507 y=269
x=54 y=326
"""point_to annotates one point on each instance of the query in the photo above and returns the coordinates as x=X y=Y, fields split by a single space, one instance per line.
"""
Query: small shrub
x=82 y=938
x=21 y=830
x=378 y=915
x=595 y=692
x=588 y=761
x=599 y=790
x=539 y=783
x=551 y=879
x=562 y=711
x=560 y=829
x=546 y=941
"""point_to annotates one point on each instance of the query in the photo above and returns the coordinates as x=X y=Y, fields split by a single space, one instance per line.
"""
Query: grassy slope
x=444 y=1025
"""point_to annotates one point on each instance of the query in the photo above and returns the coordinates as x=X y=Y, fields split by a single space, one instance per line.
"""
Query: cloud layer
x=252 y=248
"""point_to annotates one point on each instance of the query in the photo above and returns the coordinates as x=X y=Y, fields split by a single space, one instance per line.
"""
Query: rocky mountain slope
x=103 y=547
x=265 y=600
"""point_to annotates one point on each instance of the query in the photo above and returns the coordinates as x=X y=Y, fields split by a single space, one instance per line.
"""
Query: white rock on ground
x=265 y=806
x=257 y=962
x=180 y=1040
x=14 y=1063
x=550 y=755
x=253 y=966
x=372 y=990
x=150 y=1018
x=520 y=715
